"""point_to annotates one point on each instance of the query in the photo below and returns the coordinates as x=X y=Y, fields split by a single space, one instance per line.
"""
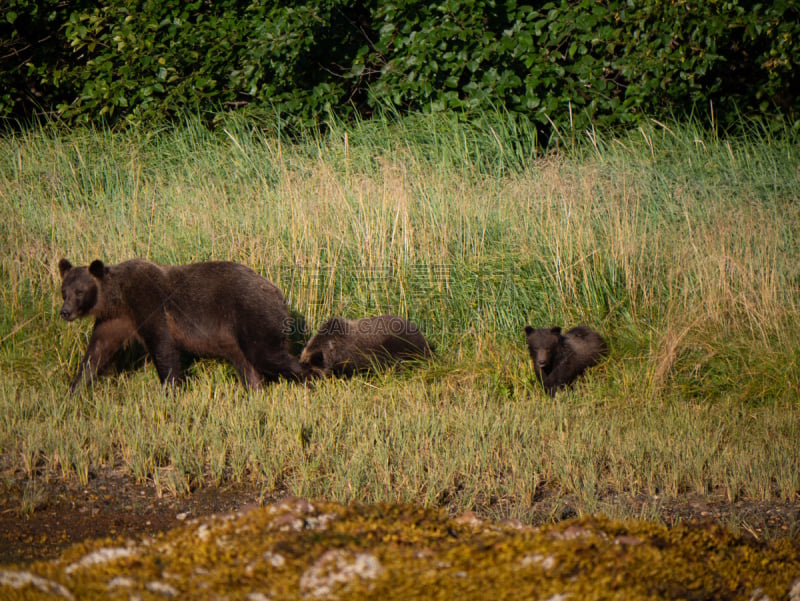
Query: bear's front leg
x=562 y=376
x=107 y=338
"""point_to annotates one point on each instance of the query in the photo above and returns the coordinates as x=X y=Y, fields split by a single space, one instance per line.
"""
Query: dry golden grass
x=683 y=255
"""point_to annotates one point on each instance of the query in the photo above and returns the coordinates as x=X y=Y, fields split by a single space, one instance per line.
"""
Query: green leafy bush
x=33 y=53
x=561 y=65
x=172 y=57
x=571 y=64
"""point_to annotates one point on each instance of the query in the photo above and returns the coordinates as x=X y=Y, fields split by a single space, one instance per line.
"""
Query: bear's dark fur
x=344 y=347
x=560 y=358
x=214 y=309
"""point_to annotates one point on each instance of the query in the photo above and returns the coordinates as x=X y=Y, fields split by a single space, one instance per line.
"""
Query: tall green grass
x=680 y=247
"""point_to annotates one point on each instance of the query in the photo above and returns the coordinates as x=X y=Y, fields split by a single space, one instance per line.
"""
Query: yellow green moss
x=301 y=550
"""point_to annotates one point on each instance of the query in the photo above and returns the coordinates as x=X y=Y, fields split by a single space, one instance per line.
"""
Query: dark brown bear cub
x=344 y=347
x=560 y=358
x=214 y=309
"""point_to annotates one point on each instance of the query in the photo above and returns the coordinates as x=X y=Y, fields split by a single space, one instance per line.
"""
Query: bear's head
x=80 y=288
x=543 y=344
x=320 y=352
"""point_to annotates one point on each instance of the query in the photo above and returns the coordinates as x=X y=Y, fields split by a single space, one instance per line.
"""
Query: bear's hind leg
x=274 y=363
x=247 y=371
x=268 y=354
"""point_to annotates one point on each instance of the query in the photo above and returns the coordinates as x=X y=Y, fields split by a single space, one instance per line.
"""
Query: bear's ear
x=318 y=359
x=556 y=330
x=63 y=267
x=336 y=325
x=97 y=269
x=528 y=329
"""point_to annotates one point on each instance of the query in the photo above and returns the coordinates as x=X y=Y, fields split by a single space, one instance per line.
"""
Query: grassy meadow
x=681 y=248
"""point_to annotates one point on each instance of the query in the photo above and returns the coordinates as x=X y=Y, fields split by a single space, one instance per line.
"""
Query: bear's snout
x=542 y=359
x=67 y=314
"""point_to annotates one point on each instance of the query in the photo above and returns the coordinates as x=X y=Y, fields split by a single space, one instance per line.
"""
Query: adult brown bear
x=560 y=358
x=213 y=309
x=344 y=347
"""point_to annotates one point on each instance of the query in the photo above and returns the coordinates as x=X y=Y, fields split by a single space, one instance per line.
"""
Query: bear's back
x=346 y=346
x=585 y=343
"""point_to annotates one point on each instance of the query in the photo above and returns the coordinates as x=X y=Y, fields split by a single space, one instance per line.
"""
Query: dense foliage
x=560 y=64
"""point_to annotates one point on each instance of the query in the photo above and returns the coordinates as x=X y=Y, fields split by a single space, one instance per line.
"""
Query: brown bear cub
x=214 y=309
x=344 y=347
x=560 y=358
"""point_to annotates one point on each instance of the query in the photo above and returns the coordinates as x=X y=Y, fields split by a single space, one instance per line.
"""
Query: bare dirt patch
x=39 y=521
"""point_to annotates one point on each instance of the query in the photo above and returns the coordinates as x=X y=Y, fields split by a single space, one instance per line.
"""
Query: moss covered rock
x=301 y=550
